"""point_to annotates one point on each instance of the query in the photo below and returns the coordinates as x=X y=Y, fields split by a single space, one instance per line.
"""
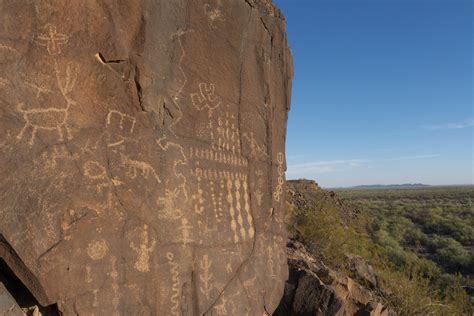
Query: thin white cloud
x=328 y=166
x=452 y=125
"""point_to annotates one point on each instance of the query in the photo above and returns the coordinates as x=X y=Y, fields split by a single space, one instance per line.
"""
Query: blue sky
x=383 y=91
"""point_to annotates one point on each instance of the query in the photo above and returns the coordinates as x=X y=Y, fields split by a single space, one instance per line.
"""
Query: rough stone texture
x=142 y=154
x=314 y=289
x=8 y=306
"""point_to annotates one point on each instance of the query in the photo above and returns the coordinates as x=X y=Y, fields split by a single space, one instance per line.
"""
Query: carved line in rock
x=281 y=180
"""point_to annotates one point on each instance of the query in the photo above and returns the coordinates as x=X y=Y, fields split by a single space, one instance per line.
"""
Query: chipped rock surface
x=142 y=154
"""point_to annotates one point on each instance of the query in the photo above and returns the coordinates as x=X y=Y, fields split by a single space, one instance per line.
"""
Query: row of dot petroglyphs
x=51 y=118
x=210 y=154
x=281 y=177
x=206 y=276
x=143 y=250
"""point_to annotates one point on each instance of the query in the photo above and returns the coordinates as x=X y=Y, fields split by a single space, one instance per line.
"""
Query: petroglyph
x=214 y=15
x=52 y=39
x=213 y=174
x=125 y=122
x=251 y=230
x=52 y=118
x=115 y=285
x=136 y=167
x=143 y=250
x=221 y=309
x=206 y=276
x=281 y=177
x=233 y=223
x=228 y=268
x=206 y=98
x=176 y=283
x=166 y=145
x=259 y=195
x=170 y=204
x=240 y=219
x=256 y=151
x=210 y=154
x=97 y=249
x=228 y=133
x=38 y=89
x=94 y=170
x=8 y=49
x=57 y=153
x=185 y=229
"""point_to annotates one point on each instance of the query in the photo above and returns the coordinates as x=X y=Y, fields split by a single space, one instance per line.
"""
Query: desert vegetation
x=419 y=242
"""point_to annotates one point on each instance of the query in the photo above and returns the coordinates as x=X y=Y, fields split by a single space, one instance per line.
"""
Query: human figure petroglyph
x=206 y=276
x=52 y=118
x=170 y=204
x=221 y=309
x=281 y=180
x=52 y=40
x=136 y=167
x=143 y=250
x=206 y=98
x=258 y=195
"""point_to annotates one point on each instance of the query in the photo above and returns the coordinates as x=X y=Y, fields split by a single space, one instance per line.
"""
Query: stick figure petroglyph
x=206 y=276
x=52 y=39
x=144 y=250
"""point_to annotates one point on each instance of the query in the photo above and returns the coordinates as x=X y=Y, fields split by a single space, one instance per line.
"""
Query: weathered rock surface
x=142 y=154
x=8 y=306
x=314 y=289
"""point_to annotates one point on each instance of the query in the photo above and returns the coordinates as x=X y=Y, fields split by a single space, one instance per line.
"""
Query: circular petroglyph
x=97 y=249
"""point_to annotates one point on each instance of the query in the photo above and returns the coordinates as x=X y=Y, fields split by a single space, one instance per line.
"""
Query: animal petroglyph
x=52 y=39
x=175 y=287
x=206 y=276
x=97 y=249
x=143 y=250
x=52 y=118
x=281 y=180
x=167 y=145
x=136 y=167
x=206 y=98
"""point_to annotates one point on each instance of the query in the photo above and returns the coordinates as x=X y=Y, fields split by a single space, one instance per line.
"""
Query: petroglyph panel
x=143 y=154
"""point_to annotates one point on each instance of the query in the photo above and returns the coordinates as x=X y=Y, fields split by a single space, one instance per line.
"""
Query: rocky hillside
x=143 y=155
x=338 y=267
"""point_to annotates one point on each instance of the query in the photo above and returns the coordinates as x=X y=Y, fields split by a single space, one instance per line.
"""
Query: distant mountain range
x=389 y=186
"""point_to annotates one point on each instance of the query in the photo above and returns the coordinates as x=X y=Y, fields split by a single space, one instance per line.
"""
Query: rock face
x=314 y=289
x=142 y=154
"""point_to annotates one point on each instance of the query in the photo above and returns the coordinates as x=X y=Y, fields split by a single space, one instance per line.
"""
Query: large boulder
x=142 y=154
